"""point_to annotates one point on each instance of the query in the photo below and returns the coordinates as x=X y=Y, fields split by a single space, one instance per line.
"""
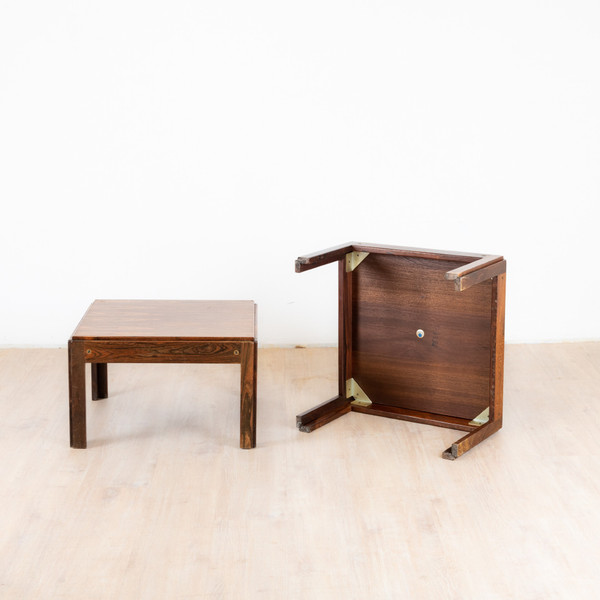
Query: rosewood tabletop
x=173 y=319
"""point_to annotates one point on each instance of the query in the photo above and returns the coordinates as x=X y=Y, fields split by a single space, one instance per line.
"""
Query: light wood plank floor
x=163 y=504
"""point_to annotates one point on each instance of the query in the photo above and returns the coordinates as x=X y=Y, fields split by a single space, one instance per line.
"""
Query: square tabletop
x=233 y=320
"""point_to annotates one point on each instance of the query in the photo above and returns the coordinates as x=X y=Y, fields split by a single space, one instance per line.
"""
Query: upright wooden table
x=162 y=331
x=421 y=338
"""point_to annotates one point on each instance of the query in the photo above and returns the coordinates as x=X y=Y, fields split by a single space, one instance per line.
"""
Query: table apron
x=161 y=352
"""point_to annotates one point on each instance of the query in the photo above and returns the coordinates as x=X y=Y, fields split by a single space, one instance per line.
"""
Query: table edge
x=75 y=337
x=127 y=338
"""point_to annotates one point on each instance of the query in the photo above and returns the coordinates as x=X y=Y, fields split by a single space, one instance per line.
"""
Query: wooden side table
x=421 y=338
x=162 y=331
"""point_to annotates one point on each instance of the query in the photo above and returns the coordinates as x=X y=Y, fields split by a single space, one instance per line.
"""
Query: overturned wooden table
x=162 y=331
x=421 y=338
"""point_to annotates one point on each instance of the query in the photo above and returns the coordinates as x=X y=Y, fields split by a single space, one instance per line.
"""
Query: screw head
x=420 y=333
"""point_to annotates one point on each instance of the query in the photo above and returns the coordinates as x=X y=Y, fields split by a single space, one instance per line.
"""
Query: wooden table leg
x=99 y=381
x=248 y=356
x=324 y=413
x=471 y=439
x=77 y=395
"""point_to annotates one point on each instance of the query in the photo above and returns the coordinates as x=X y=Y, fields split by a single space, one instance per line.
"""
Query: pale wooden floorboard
x=163 y=504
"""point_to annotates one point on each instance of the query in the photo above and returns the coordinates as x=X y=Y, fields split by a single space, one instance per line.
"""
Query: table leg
x=99 y=381
x=472 y=439
x=77 y=395
x=248 y=356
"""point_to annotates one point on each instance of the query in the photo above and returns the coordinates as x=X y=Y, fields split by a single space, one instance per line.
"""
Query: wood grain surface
x=468 y=260
x=474 y=277
x=415 y=416
x=164 y=505
x=323 y=257
x=497 y=348
x=344 y=326
x=77 y=416
x=174 y=319
x=99 y=381
x=462 y=257
x=323 y=413
x=248 y=384
x=448 y=371
x=159 y=351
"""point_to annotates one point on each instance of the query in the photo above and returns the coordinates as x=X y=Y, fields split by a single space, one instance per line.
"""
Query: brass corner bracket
x=353 y=259
x=482 y=418
x=353 y=390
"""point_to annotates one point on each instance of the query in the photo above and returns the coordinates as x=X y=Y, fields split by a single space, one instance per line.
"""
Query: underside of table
x=421 y=338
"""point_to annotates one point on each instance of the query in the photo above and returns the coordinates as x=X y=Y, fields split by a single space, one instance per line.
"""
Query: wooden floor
x=163 y=504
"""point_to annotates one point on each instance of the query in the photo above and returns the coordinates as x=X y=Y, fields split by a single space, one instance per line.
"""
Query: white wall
x=194 y=149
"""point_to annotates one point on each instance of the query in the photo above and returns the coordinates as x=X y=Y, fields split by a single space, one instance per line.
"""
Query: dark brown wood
x=344 y=326
x=162 y=331
x=339 y=405
x=222 y=320
x=471 y=439
x=323 y=257
x=77 y=425
x=446 y=372
x=464 y=257
x=496 y=374
x=415 y=416
x=475 y=277
x=248 y=395
x=323 y=413
x=471 y=261
x=159 y=351
x=497 y=355
x=483 y=262
x=446 y=377
x=99 y=381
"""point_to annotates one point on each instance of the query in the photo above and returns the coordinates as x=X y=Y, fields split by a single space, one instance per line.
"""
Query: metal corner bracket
x=353 y=390
x=353 y=259
x=482 y=418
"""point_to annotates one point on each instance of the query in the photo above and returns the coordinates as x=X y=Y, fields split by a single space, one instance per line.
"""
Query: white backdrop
x=194 y=149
